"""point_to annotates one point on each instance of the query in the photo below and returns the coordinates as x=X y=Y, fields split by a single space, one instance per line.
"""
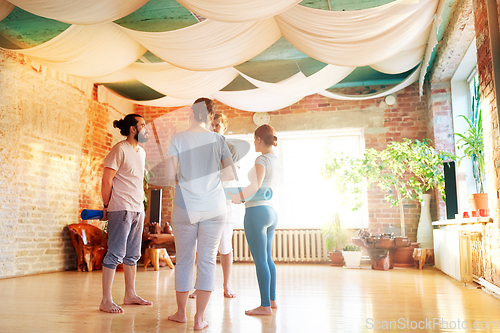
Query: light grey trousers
x=190 y=235
x=124 y=238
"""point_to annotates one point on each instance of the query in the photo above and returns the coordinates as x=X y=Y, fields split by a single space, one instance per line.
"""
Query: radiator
x=453 y=253
x=289 y=245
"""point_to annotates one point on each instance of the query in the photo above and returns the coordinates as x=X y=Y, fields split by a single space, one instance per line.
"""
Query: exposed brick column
x=440 y=129
x=453 y=46
x=488 y=105
x=491 y=259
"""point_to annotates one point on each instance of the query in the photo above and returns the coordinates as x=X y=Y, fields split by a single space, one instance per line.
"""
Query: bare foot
x=200 y=324
x=193 y=295
x=274 y=305
x=228 y=292
x=178 y=317
x=110 y=307
x=260 y=311
x=129 y=300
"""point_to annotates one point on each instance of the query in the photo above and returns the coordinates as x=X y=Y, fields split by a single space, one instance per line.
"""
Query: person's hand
x=235 y=198
x=104 y=214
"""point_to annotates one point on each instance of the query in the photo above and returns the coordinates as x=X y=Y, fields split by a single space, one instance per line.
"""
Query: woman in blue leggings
x=261 y=218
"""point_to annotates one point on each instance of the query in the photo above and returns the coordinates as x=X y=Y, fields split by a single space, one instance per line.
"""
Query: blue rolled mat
x=90 y=214
x=264 y=193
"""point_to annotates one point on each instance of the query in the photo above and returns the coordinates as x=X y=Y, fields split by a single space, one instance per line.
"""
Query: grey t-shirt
x=272 y=166
x=128 y=184
x=199 y=186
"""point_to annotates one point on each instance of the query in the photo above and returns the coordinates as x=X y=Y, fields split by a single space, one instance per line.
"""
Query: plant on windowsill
x=471 y=142
x=335 y=239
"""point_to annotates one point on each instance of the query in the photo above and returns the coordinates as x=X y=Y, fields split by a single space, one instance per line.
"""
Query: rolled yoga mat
x=90 y=214
x=264 y=193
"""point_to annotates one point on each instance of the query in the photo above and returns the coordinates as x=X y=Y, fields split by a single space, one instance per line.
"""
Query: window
x=305 y=199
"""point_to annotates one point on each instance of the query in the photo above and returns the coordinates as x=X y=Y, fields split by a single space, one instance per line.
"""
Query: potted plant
x=335 y=239
x=472 y=145
x=424 y=164
x=352 y=256
x=404 y=170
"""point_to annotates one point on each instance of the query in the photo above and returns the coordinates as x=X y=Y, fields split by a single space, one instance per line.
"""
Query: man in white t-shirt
x=122 y=195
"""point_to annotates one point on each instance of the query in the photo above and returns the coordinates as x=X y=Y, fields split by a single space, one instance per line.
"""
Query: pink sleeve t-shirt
x=128 y=184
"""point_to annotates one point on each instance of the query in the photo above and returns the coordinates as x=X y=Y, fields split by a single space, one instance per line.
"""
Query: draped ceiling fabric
x=5 y=9
x=80 y=11
x=200 y=60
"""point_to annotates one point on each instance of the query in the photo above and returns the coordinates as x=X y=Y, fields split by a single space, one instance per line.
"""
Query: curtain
x=323 y=79
x=181 y=83
x=356 y=38
x=87 y=50
x=238 y=11
x=5 y=9
x=210 y=45
x=199 y=60
x=80 y=11
x=413 y=77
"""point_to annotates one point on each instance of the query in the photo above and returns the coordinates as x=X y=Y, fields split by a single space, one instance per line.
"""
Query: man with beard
x=122 y=195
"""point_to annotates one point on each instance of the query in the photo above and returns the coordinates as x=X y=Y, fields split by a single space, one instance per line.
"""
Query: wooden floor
x=312 y=298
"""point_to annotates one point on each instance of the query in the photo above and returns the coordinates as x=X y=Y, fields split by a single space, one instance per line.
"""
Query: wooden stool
x=154 y=256
x=422 y=256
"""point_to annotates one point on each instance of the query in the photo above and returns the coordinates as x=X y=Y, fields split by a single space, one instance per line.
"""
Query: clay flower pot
x=336 y=258
x=478 y=201
x=403 y=256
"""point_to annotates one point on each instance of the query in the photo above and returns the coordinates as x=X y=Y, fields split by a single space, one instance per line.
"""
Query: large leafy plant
x=471 y=142
x=403 y=170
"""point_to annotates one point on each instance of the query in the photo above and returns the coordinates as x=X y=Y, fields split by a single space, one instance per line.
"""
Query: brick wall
x=48 y=158
x=382 y=124
x=491 y=140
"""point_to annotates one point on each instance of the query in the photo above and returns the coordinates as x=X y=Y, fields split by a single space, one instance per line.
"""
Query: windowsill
x=462 y=221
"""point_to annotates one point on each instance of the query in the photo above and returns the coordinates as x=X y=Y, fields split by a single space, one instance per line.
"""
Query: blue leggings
x=260 y=222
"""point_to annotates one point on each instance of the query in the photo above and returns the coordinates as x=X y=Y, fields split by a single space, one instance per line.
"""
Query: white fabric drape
x=210 y=45
x=260 y=100
x=255 y=100
x=413 y=77
x=237 y=11
x=5 y=9
x=80 y=11
x=167 y=102
x=200 y=59
x=118 y=76
x=407 y=59
x=181 y=83
x=323 y=79
x=87 y=51
x=125 y=106
x=356 y=38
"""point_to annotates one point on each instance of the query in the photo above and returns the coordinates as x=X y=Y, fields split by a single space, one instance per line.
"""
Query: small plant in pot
x=352 y=256
x=335 y=239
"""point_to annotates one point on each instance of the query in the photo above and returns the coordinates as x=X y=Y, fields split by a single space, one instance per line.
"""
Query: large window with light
x=304 y=198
